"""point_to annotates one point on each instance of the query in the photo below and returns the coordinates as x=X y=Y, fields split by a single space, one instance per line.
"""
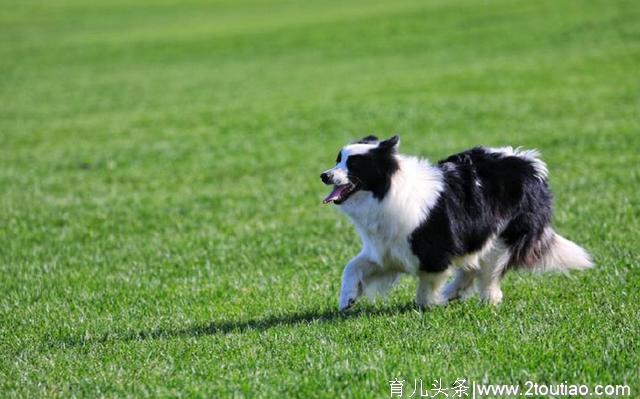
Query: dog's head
x=363 y=166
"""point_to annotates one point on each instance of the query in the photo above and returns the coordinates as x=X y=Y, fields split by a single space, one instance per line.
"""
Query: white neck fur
x=415 y=188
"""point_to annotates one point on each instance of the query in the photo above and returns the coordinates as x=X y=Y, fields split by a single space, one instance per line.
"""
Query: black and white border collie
x=480 y=212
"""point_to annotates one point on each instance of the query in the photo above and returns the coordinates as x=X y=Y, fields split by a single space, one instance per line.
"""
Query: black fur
x=373 y=171
x=368 y=139
x=483 y=192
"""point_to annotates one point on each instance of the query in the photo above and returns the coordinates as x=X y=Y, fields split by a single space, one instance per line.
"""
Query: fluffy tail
x=561 y=255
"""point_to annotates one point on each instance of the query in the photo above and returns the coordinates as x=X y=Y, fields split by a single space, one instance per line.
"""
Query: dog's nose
x=325 y=178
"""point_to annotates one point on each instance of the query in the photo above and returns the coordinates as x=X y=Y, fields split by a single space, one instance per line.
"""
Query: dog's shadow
x=299 y=318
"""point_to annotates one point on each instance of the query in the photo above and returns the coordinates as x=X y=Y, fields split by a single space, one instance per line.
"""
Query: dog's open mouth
x=340 y=193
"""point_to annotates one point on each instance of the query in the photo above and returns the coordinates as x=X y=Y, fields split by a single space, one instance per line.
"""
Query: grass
x=160 y=221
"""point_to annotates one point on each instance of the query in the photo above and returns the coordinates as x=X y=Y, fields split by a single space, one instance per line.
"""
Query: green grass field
x=161 y=232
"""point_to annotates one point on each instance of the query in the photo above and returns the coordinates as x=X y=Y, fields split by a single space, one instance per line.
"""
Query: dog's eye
x=339 y=158
x=356 y=162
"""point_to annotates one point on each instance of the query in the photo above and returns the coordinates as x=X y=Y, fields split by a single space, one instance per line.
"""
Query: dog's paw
x=349 y=295
x=451 y=291
x=467 y=293
x=431 y=301
x=346 y=303
x=492 y=296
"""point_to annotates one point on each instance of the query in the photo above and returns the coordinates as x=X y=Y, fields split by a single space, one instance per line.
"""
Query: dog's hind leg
x=429 y=291
x=491 y=270
x=461 y=287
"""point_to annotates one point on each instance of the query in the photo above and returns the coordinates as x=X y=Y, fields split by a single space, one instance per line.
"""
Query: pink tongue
x=335 y=194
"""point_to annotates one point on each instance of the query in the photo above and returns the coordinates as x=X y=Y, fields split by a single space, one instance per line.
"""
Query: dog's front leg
x=352 y=285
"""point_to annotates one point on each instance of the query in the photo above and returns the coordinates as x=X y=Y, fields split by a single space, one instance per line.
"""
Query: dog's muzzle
x=343 y=188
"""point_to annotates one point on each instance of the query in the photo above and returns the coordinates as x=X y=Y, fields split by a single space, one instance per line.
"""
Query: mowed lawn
x=161 y=226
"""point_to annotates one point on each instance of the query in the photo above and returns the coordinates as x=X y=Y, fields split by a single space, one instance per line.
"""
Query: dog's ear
x=369 y=139
x=390 y=144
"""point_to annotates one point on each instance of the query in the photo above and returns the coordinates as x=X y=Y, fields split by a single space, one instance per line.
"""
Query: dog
x=479 y=213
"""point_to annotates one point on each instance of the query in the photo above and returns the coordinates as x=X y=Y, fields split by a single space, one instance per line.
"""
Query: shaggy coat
x=479 y=212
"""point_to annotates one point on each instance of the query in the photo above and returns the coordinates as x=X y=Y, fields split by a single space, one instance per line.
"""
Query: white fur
x=492 y=266
x=486 y=266
x=461 y=287
x=428 y=292
x=563 y=255
x=385 y=225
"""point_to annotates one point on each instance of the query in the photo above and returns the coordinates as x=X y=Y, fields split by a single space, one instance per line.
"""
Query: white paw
x=491 y=296
x=348 y=297
x=431 y=301
x=451 y=291
x=346 y=303
x=467 y=293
